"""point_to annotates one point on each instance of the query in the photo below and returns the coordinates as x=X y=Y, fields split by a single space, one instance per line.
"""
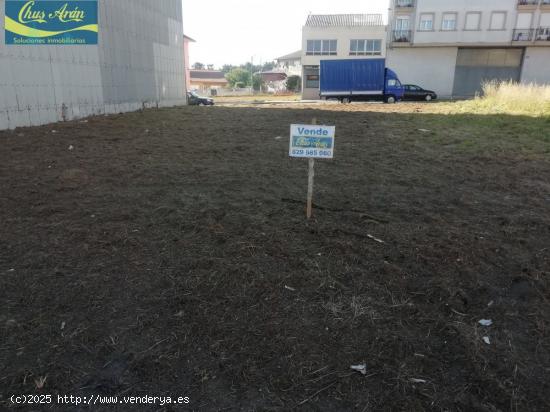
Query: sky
x=238 y=31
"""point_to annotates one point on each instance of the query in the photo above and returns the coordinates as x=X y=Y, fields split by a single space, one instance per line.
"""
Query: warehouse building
x=138 y=62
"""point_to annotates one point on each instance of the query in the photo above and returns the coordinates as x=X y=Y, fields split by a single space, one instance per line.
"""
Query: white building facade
x=335 y=37
x=138 y=62
x=452 y=47
x=290 y=64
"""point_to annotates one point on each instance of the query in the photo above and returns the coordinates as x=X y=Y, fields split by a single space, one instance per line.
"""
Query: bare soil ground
x=257 y=97
x=167 y=253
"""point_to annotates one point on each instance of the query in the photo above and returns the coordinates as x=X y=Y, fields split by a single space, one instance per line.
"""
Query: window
x=498 y=20
x=543 y=32
x=321 y=48
x=365 y=48
x=473 y=21
x=405 y=3
x=524 y=20
x=311 y=75
x=449 y=21
x=402 y=23
x=426 y=22
x=312 y=81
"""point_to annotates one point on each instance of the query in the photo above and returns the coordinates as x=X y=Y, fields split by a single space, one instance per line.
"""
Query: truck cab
x=394 y=90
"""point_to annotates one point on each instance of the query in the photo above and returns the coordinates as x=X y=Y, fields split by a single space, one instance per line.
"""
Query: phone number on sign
x=311 y=152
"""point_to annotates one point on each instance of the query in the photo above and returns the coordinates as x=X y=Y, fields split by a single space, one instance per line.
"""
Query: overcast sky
x=234 y=31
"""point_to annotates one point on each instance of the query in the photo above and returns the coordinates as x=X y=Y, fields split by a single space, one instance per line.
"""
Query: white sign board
x=315 y=142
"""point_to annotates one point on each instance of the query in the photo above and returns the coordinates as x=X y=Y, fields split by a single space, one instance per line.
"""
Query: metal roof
x=292 y=56
x=344 y=20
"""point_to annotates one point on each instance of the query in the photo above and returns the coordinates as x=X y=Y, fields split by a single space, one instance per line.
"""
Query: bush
x=294 y=83
x=511 y=98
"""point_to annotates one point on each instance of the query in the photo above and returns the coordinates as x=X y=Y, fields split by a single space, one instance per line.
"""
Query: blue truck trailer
x=359 y=79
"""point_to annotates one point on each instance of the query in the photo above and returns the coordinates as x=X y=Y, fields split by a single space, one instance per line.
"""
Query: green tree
x=198 y=66
x=258 y=82
x=268 y=66
x=294 y=83
x=237 y=77
x=226 y=68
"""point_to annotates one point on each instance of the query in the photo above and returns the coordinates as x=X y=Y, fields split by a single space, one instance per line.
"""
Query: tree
x=226 y=68
x=249 y=67
x=258 y=82
x=268 y=66
x=210 y=67
x=198 y=66
x=238 y=77
x=294 y=83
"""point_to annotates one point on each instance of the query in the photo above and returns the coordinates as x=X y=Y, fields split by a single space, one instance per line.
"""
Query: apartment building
x=452 y=47
x=338 y=36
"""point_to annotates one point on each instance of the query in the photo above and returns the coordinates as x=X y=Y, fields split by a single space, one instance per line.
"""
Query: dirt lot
x=258 y=98
x=167 y=253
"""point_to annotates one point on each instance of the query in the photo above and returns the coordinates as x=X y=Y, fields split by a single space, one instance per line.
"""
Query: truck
x=360 y=80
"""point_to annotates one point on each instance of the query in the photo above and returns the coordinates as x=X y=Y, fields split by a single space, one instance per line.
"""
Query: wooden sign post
x=313 y=142
x=310 y=178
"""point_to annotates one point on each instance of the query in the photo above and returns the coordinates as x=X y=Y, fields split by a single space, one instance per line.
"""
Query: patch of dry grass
x=507 y=98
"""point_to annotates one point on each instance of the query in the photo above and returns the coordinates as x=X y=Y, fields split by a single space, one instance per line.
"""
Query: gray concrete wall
x=310 y=94
x=138 y=62
x=536 y=65
x=432 y=68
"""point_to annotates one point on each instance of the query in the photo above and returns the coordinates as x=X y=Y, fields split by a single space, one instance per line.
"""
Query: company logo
x=51 y=22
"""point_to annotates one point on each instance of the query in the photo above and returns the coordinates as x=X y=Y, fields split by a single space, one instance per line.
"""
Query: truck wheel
x=390 y=99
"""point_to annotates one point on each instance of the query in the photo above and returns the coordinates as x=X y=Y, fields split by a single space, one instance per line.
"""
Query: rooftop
x=292 y=56
x=207 y=74
x=344 y=20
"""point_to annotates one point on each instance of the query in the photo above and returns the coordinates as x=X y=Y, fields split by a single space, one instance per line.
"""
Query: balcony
x=523 y=35
x=528 y=4
x=401 y=36
x=404 y=4
x=542 y=34
x=545 y=5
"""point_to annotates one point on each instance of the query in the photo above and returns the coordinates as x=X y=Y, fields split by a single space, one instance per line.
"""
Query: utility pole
x=252 y=74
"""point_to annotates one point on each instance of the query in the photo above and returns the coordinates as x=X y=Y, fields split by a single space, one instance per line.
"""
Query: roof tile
x=344 y=20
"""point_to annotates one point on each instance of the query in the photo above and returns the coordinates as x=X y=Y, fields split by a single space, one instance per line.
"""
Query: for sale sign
x=51 y=22
x=316 y=142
